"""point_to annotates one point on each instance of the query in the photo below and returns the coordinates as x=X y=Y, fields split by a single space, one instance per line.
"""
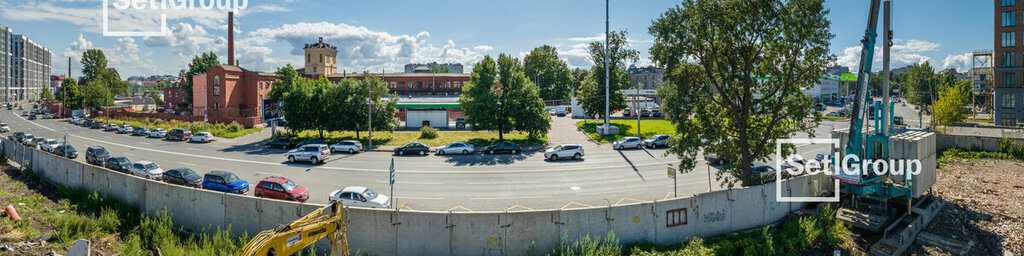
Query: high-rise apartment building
x=1008 y=52
x=24 y=67
x=5 y=61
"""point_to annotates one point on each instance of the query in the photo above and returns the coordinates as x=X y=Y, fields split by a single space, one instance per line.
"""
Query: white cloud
x=902 y=53
x=483 y=48
x=186 y=39
x=577 y=56
x=960 y=62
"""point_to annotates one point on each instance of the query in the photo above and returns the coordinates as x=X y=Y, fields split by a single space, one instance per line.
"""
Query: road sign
x=671 y=173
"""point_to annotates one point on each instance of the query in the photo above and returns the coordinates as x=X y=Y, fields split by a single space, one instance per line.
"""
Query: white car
x=628 y=142
x=203 y=137
x=564 y=151
x=5 y=128
x=125 y=129
x=147 y=169
x=313 y=153
x=49 y=145
x=158 y=133
x=456 y=148
x=360 y=197
x=349 y=146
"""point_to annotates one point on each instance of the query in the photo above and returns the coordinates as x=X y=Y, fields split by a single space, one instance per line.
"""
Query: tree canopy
x=591 y=93
x=551 y=74
x=200 y=63
x=512 y=102
x=46 y=94
x=953 y=103
x=713 y=51
x=69 y=93
x=322 y=105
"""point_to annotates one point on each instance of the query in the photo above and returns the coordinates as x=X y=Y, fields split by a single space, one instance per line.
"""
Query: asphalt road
x=459 y=183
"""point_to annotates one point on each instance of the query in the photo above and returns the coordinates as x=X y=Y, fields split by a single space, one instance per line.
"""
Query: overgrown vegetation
x=796 y=236
x=427 y=132
x=1012 y=148
x=627 y=128
x=232 y=130
x=945 y=156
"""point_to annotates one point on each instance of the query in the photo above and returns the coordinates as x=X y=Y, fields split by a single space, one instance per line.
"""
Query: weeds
x=947 y=155
x=232 y=130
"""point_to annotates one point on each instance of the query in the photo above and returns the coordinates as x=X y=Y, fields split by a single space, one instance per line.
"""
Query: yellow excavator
x=293 y=237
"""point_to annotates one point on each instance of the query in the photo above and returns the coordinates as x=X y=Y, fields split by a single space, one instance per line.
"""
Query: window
x=1008 y=59
x=1009 y=79
x=1009 y=19
x=1007 y=101
x=1009 y=39
x=216 y=90
x=394 y=85
x=1009 y=119
x=448 y=84
x=216 y=80
x=458 y=84
x=308 y=57
x=1009 y=2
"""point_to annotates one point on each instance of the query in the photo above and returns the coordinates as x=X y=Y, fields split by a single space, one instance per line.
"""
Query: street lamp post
x=606 y=69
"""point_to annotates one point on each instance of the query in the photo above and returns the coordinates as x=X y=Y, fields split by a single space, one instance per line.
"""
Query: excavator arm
x=293 y=237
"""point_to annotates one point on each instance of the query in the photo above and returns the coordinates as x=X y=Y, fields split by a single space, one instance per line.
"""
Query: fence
x=401 y=232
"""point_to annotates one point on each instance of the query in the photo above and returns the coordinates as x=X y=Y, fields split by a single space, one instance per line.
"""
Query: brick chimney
x=231 y=38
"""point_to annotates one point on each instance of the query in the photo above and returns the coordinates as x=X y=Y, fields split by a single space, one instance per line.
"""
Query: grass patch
x=797 y=236
x=834 y=117
x=400 y=138
x=233 y=130
x=628 y=128
x=945 y=156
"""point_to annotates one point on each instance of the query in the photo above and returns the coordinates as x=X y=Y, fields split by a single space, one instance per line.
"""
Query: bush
x=1014 y=149
x=235 y=127
x=428 y=133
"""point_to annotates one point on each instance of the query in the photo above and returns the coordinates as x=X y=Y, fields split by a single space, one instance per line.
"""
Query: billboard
x=272 y=110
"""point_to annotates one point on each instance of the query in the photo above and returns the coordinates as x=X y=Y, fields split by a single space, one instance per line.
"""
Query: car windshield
x=121 y=160
x=187 y=173
x=370 y=194
x=288 y=185
x=559 y=147
x=151 y=166
x=230 y=178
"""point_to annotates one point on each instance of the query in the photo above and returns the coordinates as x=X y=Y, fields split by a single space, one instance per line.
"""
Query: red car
x=281 y=188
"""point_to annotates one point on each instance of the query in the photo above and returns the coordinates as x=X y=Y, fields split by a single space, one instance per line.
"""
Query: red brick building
x=439 y=84
x=227 y=91
x=174 y=97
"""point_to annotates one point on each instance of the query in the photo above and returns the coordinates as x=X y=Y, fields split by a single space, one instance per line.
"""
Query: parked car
x=656 y=113
x=460 y=123
x=645 y=112
x=560 y=112
x=311 y=142
x=202 y=137
x=360 y=197
x=120 y=164
x=66 y=151
x=125 y=129
x=141 y=131
x=49 y=145
x=225 y=182
x=572 y=151
x=762 y=173
x=96 y=155
x=27 y=139
x=32 y=117
x=819 y=107
x=4 y=127
x=413 y=148
x=24 y=113
x=660 y=140
x=503 y=147
x=157 y=133
x=87 y=123
x=184 y=177
x=627 y=112
x=715 y=159
x=147 y=169
x=179 y=134
x=96 y=125
x=456 y=148
x=281 y=188
x=315 y=154
x=281 y=142
x=628 y=142
x=37 y=141
x=349 y=146
x=16 y=136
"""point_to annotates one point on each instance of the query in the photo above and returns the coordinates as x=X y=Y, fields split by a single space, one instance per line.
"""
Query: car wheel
x=423 y=153
x=620 y=148
x=464 y=152
x=440 y=152
x=491 y=152
x=515 y=151
x=576 y=156
x=638 y=146
x=291 y=159
x=721 y=162
x=259 y=195
x=401 y=152
x=313 y=160
x=553 y=157
x=333 y=151
x=351 y=151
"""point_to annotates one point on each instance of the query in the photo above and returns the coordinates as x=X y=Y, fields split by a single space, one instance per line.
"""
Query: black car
x=66 y=151
x=120 y=164
x=96 y=125
x=311 y=142
x=87 y=123
x=32 y=117
x=16 y=136
x=281 y=143
x=184 y=177
x=503 y=147
x=413 y=148
x=460 y=123
x=96 y=155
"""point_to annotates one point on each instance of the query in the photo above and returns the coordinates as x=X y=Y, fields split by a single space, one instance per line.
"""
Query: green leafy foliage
x=46 y=94
x=952 y=104
x=1012 y=148
x=591 y=93
x=550 y=73
x=323 y=106
x=427 y=132
x=515 y=105
x=734 y=73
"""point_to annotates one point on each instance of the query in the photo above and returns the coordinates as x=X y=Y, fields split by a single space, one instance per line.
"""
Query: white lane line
x=511 y=197
x=419 y=198
x=145 y=143
x=411 y=182
x=611 y=191
x=194 y=149
x=500 y=183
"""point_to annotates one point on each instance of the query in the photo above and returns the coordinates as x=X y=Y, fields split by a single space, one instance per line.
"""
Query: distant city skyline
x=374 y=36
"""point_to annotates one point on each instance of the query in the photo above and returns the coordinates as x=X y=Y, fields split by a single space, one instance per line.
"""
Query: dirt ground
x=29 y=199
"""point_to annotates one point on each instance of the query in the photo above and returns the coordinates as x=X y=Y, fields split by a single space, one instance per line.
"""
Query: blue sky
x=375 y=35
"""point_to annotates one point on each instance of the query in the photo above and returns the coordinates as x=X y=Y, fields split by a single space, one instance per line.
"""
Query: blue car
x=225 y=182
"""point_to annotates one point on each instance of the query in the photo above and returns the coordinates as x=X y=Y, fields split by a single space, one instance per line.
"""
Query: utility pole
x=886 y=44
x=607 y=69
x=635 y=108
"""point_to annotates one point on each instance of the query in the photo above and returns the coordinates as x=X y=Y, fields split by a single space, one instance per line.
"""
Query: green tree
x=373 y=90
x=94 y=65
x=438 y=68
x=113 y=81
x=46 y=94
x=96 y=94
x=551 y=74
x=520 y=99
x=921 y=82
x=156 y=99
x=480 y=100
x=952 y=104
x=591 y=93
x=69 y=93
x=199 y=65
x=742 y=90
x=286 y=78
x=576 y=77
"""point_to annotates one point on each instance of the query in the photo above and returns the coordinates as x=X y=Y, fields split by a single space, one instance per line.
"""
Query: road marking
x=612 y=191
x=411 y=182
x=194 y=149
x=499 y=183
x=420 y=198
x=145 y=143
x=513 y=197
x=184 y=163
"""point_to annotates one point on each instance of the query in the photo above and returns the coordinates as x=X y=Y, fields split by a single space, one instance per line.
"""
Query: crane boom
x=867 y=53
x=299 y=234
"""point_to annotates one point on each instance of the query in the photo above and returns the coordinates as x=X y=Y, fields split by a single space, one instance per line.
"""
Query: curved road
x=458 y=183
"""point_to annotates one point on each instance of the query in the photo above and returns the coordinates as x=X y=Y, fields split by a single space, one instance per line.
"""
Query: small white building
x=826 y=89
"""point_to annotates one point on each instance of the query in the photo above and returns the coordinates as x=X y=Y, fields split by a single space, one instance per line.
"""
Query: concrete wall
x=393 y=232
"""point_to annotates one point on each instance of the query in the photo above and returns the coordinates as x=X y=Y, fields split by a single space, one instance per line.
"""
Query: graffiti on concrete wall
x=715 y=216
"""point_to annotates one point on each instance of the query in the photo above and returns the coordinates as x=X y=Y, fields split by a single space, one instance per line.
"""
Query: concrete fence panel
x=371 y=231
x=117 y=186
x=579 y=223
x=633 y=223
x=75 y=171
x=478 y=234
x=675 y=220
x=539 y=231
x=242 y=213
x=180 y=203
x=747 y=207
x=420 y=233
x=135 y=191
x=773 y=209
x=277 y=212
x=713 y=214
x=210 y=212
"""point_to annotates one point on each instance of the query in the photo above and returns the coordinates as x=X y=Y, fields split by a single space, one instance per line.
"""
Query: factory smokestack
x=231 y=38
